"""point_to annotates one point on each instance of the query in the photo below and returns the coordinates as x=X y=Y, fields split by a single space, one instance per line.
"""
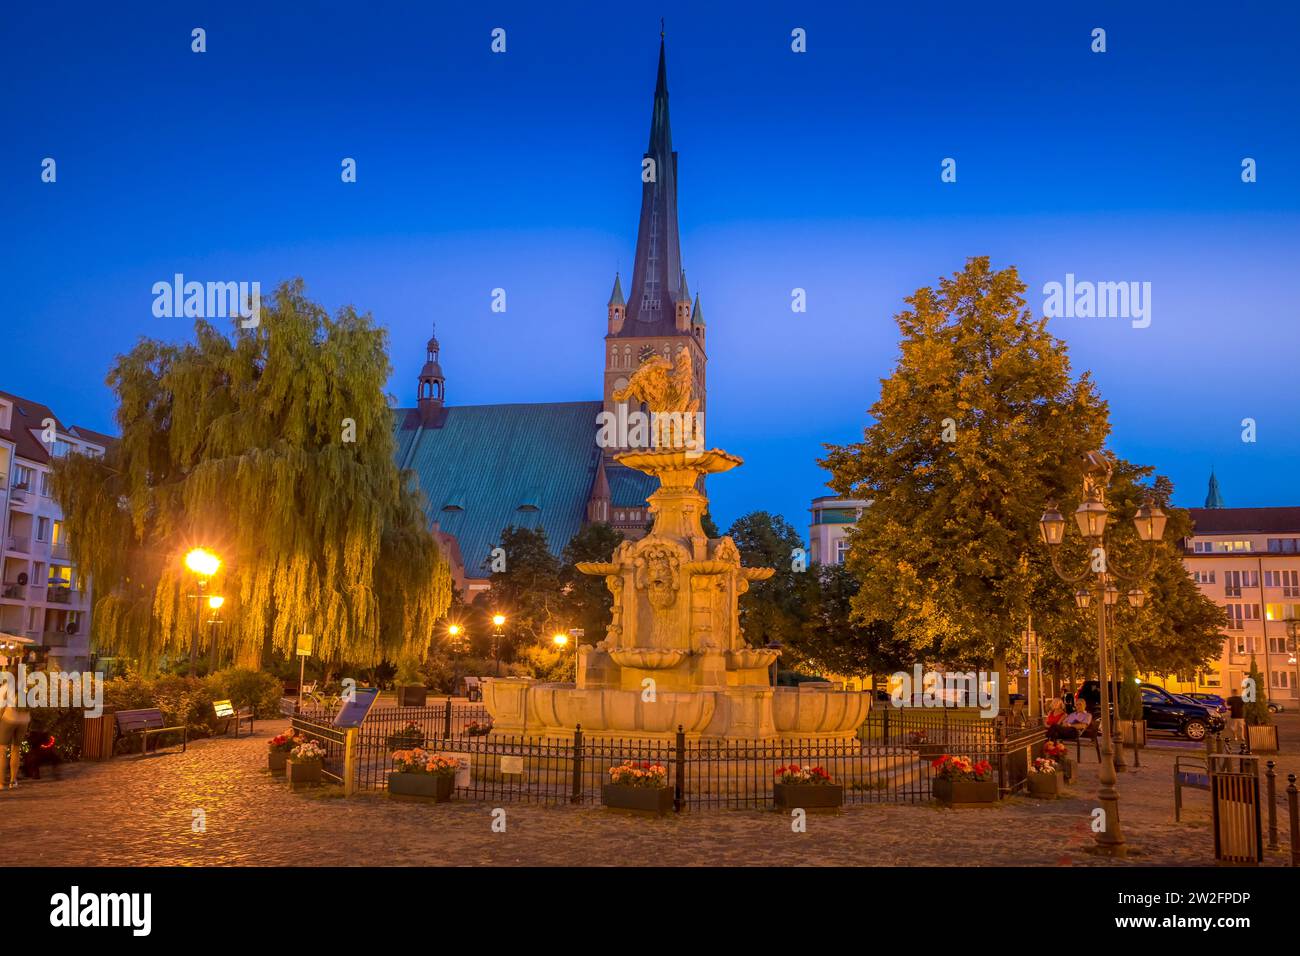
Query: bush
x=248 y=688
x=188 y=700
x=1257 y=714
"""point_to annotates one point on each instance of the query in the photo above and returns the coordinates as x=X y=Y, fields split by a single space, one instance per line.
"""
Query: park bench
x=145 y=723
x=225 y=710
x=1093 y=733
x=1188 y=772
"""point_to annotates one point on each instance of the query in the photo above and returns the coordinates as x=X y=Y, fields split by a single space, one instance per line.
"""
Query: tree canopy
x=272 y=447
x=980 y=424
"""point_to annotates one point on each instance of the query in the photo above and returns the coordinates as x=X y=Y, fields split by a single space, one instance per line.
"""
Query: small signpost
x=353 y=712
x=304 y=652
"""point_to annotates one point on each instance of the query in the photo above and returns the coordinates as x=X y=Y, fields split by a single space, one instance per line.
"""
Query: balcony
x=13 y=590
x=19 y=493
x=59 y=594
x=59 y=551
x=55 y=639
x=19 y=543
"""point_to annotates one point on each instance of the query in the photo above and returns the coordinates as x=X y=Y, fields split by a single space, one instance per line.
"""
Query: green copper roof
x=629 y=488
x=492 y=466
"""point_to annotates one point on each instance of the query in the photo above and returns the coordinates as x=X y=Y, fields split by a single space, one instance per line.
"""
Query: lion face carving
x=658 y=574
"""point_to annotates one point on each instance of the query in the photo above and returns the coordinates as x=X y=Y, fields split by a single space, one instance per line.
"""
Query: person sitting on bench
x=1055 y=713
x=1073 y=723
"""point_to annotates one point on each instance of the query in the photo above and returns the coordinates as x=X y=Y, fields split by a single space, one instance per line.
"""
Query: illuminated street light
x=202 y=562
x=215 y=602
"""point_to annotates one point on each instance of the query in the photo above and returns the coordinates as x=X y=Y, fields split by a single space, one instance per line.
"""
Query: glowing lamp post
x=204 y=564
x=498 y=621
x=1100 y=592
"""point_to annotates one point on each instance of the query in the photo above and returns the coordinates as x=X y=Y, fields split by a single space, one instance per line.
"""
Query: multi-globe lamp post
x=1091 y=517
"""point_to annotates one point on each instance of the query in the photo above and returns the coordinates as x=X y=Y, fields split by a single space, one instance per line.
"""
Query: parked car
x=1212 y=701
x=1164 y=711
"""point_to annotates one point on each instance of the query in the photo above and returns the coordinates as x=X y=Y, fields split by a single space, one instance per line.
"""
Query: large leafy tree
x=273 y=447
x=830 y=640
x=771 y=610
x=979 y=424
x=587 y=600
x=529 y=589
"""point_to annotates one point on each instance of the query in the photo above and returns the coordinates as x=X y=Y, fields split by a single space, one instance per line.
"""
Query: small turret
x=432 y=386
x=684 y=307
x=617 y=307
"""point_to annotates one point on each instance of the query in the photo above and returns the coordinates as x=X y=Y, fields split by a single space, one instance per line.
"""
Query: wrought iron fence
x=881 y=766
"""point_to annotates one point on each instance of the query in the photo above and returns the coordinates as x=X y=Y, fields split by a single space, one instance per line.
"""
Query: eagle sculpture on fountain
x=664 y=387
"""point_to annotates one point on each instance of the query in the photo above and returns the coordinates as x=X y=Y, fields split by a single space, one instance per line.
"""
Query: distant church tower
x=432 y=393
x=658 y=316
x=1213 y=499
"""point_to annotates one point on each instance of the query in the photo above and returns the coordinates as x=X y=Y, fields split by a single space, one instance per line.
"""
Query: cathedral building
x=484 y=468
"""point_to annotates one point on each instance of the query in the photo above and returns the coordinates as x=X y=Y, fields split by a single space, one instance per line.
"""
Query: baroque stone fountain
x=674 y=653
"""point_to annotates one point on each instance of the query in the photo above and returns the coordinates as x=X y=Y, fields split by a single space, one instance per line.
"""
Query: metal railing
x=881 y=766
x=19 y=543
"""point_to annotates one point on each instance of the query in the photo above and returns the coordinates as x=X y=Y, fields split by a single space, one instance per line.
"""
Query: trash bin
x=1234 y=792
x=97 y=735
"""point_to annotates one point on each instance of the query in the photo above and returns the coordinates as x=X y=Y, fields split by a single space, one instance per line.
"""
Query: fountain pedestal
x=674 y=654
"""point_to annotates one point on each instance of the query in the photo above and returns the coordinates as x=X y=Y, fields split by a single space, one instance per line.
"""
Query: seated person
x=1055 y=712
x=1073 y=724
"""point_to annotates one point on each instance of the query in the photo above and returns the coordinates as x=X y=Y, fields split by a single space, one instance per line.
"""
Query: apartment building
x=44 y=602
x=832 y=520
x=1247 y=560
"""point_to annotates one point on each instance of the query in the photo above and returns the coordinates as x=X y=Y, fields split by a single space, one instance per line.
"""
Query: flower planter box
x=412 y=695
x=1127 y=729
x=965 y=793
x=1262 y=738
x=808 y=796
x=275 y=761
x=303 y=773
x=1045 y=784
x=427 y=787
x=655 y=801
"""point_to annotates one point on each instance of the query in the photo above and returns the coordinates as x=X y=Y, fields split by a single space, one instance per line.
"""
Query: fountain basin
x=747 y=657
x=817 y=712
x=647 y=658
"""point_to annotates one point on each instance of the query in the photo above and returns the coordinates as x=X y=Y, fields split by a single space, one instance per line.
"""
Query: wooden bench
x=147 y=722
x=1190 y=772
x=224 y=709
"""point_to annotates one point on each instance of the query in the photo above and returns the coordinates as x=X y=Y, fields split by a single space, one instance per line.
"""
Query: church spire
x=1213 y=499
x=656 y=272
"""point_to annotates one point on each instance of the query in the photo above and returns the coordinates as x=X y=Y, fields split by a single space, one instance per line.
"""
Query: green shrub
x=1257 y=714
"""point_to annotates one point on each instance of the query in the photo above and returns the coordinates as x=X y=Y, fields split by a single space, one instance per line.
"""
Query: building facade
x=45 y=602
x=832 y=522
x=1247 y=560
x=484 y=468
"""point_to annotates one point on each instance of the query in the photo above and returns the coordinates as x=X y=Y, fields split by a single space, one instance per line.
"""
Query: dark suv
x=1164 y=711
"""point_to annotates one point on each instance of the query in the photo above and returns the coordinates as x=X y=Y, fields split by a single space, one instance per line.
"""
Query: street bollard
x=1293 y=806
x=1270 y=780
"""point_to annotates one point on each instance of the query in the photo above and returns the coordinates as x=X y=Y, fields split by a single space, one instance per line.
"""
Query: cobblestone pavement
x=140 y=812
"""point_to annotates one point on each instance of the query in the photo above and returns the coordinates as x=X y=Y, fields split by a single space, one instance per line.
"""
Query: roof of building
x=657 y=268
x=490 y=467
x=629 y=488
x=1244 y=520
x=1213 y=497
x=29 y=420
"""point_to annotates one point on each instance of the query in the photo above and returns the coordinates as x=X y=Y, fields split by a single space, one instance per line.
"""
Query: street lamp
x=204 y=564
x=1091 y=517
x=498 y=621
x=457 y=641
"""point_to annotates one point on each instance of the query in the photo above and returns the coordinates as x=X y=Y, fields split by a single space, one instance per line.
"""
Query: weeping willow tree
x=273 y=448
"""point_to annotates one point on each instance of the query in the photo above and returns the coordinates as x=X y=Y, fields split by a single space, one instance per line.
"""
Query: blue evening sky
x=818 y=171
